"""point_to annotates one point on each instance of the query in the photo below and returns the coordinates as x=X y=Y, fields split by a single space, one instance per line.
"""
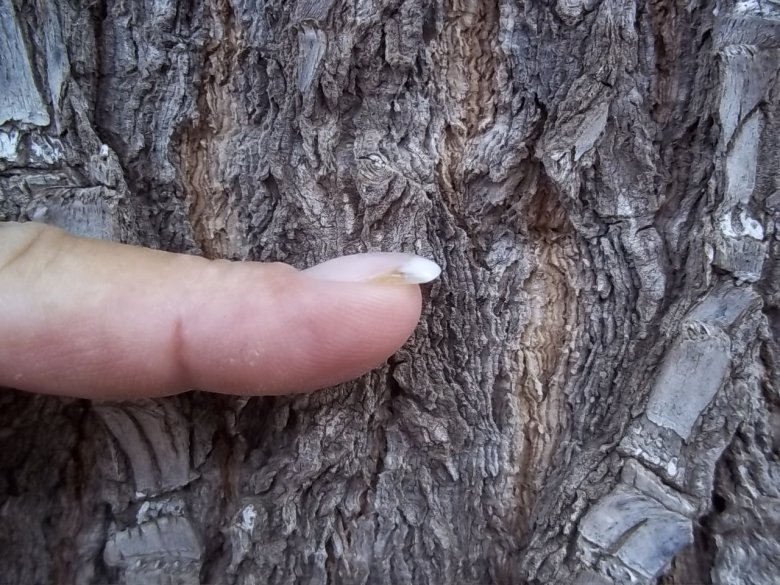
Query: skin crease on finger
x=103 y=320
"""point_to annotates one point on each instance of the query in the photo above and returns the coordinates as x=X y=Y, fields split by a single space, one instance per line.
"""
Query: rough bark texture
x=592 y=395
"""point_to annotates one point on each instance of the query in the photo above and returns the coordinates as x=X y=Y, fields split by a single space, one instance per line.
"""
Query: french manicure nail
x=381 y=267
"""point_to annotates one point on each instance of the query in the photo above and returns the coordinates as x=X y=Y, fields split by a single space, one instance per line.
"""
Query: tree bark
x=592 y=396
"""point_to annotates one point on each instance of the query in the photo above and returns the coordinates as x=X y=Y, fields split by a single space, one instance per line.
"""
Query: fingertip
x=352 y=328
x=309 y=334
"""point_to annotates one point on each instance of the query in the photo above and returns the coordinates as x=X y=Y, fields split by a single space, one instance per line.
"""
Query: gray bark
x=592 y=394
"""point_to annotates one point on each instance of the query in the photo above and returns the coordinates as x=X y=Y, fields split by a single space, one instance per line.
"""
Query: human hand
x=97 y=319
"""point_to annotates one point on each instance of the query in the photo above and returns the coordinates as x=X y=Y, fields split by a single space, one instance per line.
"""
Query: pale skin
x=95 y=319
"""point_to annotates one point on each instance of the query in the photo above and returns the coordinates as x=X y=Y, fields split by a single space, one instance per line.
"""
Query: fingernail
x=381 y=267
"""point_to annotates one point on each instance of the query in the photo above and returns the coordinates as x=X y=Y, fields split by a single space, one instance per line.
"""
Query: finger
x=96 y=319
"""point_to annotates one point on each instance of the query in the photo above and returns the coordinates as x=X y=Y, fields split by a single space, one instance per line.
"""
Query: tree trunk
x=592 y=396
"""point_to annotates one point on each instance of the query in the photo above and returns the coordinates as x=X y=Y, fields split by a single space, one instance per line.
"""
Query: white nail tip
x=417 y=270
x=378 y=267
